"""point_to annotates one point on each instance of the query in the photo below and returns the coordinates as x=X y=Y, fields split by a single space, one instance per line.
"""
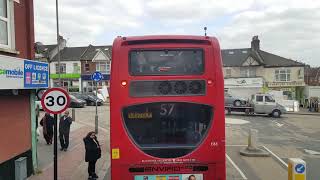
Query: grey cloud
x=292 y=33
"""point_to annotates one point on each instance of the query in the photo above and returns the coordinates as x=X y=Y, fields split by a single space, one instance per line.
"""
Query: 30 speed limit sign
x=55 y=100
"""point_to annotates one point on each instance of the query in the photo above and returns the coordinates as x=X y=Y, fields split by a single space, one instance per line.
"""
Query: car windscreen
x=167 y=129
x=166 y=62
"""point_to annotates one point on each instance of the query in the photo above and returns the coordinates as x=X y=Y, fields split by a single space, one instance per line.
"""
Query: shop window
x=288 y=95
x=283 y=75
x=6 y=25
x=63 y=68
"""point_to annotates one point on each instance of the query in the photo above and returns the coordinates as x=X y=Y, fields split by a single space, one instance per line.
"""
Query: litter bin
x=21 y=168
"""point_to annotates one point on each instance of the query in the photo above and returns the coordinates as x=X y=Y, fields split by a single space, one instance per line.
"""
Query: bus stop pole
x=96 y=116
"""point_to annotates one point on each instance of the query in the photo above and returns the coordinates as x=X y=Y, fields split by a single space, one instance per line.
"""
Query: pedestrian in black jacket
x=93 y=153
x=47 y=122
x=64 y=130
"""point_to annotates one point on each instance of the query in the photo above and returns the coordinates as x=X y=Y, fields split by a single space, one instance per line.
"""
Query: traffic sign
x=300 y=168
x=55 y=100
x=97 y=76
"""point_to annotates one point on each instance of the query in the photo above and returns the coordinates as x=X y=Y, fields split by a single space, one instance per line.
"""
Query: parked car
x=90 y=99
x=234 y=101
x=76 y=103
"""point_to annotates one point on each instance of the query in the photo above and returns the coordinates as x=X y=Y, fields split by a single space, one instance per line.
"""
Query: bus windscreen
x=167 y=129
x=166 y=62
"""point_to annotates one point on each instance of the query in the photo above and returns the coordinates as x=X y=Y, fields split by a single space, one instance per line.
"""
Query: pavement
x=304 y=111
x=71 y=164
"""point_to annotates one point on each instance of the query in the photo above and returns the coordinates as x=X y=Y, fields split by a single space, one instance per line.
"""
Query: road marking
x=311 y=152
x=277 y=157
x=278 y=124
x=237 y=168
x=236 y=121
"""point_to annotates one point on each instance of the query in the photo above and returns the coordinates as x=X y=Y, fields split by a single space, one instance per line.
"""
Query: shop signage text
x=243 y=82
x=16 y=73
x=286 y=84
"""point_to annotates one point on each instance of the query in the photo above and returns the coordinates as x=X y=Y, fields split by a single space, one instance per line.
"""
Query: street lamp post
x=55 y=148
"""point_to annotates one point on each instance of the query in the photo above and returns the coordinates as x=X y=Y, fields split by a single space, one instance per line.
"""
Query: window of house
x=101 y=67
x=87 y=67
x=283 y=74
x=63 y=68
x=248 y=72
x=108 y=67
x=75 y=68
x=6 y=24
x=228 y=72
x=259 y=99
x=300 y=74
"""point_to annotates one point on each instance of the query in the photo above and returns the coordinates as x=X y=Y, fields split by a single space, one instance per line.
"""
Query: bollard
x=297 y=169
x=253 y=150
x=253 y=139
x=21 y=168
x=73 y=114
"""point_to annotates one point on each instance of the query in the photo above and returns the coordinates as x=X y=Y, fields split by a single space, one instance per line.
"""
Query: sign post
x=55 y=101
x=96 y=76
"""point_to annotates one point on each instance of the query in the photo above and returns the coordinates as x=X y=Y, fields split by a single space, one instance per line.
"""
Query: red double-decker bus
x=167 y=109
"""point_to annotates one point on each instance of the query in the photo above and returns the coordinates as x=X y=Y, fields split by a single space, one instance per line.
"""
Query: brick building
x=19 y=77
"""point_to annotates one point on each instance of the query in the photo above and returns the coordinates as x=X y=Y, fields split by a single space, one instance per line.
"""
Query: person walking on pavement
x=47 y=123
x=93 y=153
x=64 y=130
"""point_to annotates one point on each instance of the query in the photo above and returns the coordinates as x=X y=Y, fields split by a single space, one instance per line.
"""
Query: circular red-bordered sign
x=55 y=100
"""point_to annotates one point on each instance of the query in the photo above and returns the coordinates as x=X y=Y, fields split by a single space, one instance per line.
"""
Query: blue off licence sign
x=168 y=177
x=36 y=74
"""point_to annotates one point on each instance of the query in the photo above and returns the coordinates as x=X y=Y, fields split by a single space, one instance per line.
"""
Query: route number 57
x=166 y=109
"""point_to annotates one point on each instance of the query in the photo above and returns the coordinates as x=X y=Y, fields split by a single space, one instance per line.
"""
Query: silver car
x=234 y=101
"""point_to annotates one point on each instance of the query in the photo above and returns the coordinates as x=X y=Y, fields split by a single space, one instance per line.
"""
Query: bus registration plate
x=168 y=177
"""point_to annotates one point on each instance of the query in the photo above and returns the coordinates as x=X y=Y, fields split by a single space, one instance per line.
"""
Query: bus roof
x=163 y=38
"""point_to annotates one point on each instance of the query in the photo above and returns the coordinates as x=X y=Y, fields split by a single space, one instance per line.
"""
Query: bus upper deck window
x=166 y=62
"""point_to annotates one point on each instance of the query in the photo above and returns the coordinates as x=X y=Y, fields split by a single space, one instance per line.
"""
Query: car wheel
x=91 y=103
x=276 y=113
x=237 y=103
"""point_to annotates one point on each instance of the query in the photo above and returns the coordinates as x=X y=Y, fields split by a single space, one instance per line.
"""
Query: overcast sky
x=289 y=28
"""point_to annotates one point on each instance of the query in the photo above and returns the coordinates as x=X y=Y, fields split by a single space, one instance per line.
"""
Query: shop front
x=19 y=78
x=291 y=90
x=243 y=87
x=70 y=81
x=88 y=85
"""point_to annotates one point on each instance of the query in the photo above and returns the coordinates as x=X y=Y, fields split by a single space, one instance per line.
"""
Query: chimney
x=255 y=43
